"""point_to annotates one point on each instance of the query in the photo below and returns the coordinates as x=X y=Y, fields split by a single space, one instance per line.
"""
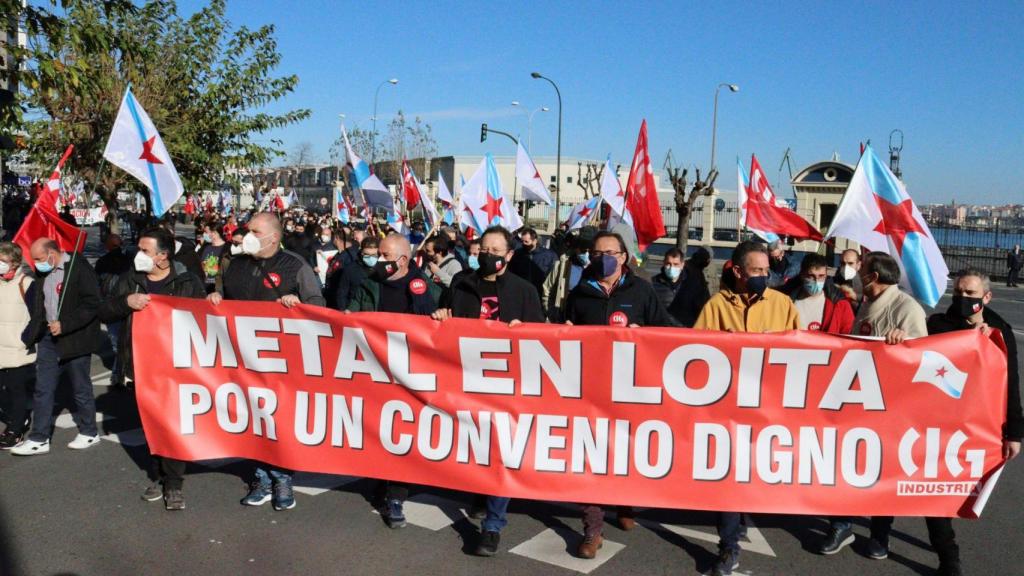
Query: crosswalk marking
x=431 y=512
x=66 y=420
x=756 y=541
x=132 y=438
x=554 y=546
x=315 y=484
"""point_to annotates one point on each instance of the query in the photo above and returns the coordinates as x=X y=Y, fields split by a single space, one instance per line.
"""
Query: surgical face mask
x=4 y=268
x=44 y=267
x=584 y=258
x=207 y=238
x=847 y=272
x=967 y=306
x=474 y=262
x=143 y=263
x=814 y=287
x=757 y=285
x=370 y=261
x=325 y=239
x=289 y=228
x=251 y=244
x=673 y=273
x=236 y=249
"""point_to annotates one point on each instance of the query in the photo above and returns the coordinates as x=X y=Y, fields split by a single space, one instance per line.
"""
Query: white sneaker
x=31 y=448
x=81 y=442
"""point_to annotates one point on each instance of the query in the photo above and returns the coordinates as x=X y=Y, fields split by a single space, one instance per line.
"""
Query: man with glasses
x=395 y=285
x=610 y=294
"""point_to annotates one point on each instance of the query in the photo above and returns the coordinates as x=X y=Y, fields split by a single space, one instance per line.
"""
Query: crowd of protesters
x=51 y=313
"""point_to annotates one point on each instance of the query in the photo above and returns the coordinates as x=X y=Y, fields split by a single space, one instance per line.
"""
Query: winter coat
x=180 y=282
x=734 y=312
x=891 y=310
x=268 y=279
x=633 y=301
x=424 y=303
x=683 y=299
x=517 y=299
x=534 y=266
x=14 y=320
x=80 y=327
x=837 y=317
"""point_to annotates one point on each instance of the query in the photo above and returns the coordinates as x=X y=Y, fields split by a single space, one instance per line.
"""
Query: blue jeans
x=49 y=368
x=729 y=528
x=278 y=474
x=497 y=506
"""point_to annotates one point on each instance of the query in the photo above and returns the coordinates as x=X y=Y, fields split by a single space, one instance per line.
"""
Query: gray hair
x=986 y=284
x=12 y=251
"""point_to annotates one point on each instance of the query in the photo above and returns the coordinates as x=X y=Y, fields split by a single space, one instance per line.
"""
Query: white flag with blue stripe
x=877 y=213
x=135 y=147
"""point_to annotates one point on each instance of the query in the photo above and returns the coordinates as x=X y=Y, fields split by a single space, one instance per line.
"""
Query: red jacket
x=837 y=317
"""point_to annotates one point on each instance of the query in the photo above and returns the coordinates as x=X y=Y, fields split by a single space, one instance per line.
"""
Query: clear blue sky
x=816 y=79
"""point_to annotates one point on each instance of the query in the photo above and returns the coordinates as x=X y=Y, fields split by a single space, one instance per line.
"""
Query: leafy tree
x=204 y=83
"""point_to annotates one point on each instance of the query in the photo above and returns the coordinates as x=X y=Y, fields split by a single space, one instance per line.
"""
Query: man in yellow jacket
x=744 y=304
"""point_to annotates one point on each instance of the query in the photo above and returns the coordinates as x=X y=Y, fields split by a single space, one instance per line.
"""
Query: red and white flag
x=44 y=221
x=642 y=195
x=410 y=189
x=530 y=182
x=761 y=211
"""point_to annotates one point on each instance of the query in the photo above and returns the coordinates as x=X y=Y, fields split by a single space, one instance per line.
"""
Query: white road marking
x=65 y=420
x=553 y=546
x=431 y=512
x=133 y=437
x=316 y=484
x=101 y=376
x=756 y=541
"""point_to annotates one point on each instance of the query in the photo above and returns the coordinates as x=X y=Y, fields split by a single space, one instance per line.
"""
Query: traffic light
x=483 y=132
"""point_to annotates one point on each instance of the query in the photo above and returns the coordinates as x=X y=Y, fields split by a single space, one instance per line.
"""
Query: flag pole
x=81 y=236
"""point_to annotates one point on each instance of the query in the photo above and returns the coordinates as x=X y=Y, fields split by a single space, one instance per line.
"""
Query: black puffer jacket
x=180 y=282
x=517 y=298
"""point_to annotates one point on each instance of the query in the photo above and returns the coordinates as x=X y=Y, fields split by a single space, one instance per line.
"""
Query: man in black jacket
x=488 y=293
x=66 y=331
x=532 y=262
x=109 y=268
x=681 y=287
x=352 y=275
x=970 y=311
x=611 y=294
x=155 y=272
x=266 y=273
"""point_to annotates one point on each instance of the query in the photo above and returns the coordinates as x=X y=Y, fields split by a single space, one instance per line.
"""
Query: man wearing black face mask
x=395 y=285
x=970 y=311
x=490 y=293
x=750 y=306
x=609 y=293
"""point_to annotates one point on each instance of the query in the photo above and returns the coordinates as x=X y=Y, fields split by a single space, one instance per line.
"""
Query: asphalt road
x=79 y=513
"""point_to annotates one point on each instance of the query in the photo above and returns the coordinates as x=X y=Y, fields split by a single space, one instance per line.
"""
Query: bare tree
x=590 y=180
x=302 y=154
x=685 y=201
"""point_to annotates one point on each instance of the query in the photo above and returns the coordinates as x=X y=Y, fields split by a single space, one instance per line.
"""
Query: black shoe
x=174 y=499
x=951 y=568
x=836 y=540
x=394 y=515
x=877 y=550
x=478 y=509
x=9 y=439
x=728 y=560
x=488 y=545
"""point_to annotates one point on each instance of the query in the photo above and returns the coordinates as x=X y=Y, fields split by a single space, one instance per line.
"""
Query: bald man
x=66 y=332
x=266 y=273
x=396 y=285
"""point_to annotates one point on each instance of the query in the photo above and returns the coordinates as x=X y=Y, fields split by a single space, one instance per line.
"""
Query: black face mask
x=383 y=270
x=757 y=285
x=965 y=306
x=490 y=264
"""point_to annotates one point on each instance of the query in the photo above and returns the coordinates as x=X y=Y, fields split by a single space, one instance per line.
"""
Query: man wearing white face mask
x=847 y=279
x=266 y=273
x=155 y=272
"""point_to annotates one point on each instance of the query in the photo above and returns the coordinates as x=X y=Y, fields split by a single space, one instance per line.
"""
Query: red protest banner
x=796 y=422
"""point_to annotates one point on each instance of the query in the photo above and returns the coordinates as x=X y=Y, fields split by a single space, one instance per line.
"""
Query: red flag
x=44 y=221
x=765 y=215
x=409 y=188
x=190 y=207
x=642 y=195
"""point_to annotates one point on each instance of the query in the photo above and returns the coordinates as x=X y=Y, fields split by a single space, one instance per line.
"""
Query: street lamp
x=529 y=124
x=558 y=166
x=373 y=137
x=714 y=120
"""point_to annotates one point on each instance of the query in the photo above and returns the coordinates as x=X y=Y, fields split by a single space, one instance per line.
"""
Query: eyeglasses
x=612 y=253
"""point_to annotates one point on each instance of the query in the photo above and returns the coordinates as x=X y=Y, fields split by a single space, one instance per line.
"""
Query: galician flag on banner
x=444 y=196
x=484 y=197
x=530 y=182
x=135 y=147
x=642 y=195
x=374 y=191
x=743 y=191
x=582 y=213
x=877 y=213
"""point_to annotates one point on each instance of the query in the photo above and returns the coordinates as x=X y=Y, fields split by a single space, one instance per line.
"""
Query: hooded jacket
x=180 y=282
x=734 y=312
